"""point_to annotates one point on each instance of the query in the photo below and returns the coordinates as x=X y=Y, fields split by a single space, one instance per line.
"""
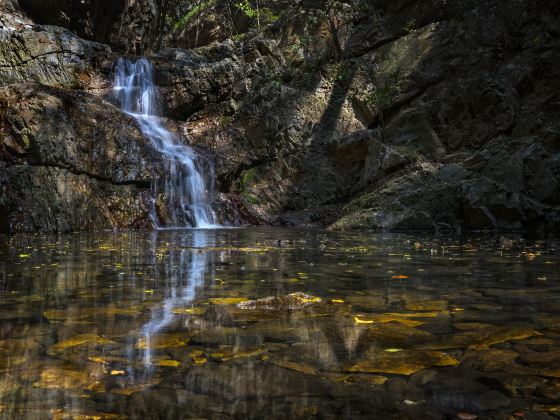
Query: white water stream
x=183 y=195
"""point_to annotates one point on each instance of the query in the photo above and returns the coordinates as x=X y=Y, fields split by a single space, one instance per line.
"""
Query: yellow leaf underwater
x=79 y=340
x=401 y=318
x=198 y=357
x=226 y=301
x=362 y=321
x=117 y=372
x=107 y=360
x=188 y=311
x=167 y=363
x=162 y=341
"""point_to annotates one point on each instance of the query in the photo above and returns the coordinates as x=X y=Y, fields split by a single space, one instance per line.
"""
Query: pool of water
x=277 y=323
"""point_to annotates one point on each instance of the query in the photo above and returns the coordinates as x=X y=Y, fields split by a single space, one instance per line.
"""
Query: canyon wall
x=376 y=115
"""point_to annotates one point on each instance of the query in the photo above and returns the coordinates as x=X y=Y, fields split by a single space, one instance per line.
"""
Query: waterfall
x=183 y=193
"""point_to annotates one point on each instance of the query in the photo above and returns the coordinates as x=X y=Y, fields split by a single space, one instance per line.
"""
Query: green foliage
x=186 y=18
x=225 y=120
x=246 y=7
x=249 y=198
x=380 y=97
x=410 y=26
x=262 y=15
x=247 y=178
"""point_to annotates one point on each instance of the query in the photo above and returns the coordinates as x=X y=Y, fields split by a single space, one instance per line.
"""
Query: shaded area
x=126 y=26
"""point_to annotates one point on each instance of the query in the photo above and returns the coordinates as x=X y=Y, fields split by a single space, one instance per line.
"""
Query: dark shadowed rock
x=125 y=25
x=70 y=170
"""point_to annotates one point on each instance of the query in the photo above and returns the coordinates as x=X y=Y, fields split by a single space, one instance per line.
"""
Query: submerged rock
x=402 y=362
x=162 y=341
x=63 y=378
x=503 y=335
x=79 y=340
x=292 y=301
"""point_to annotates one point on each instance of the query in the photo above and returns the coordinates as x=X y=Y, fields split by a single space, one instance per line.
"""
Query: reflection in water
x=227 y=323
x=184 y=274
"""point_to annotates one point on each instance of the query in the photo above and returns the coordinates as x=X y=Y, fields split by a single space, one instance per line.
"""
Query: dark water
x=146 y=325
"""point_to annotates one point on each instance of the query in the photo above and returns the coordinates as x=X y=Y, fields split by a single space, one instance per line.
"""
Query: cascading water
x=183 y=193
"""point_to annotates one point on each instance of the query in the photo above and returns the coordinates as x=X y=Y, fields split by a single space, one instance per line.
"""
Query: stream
x=278 y=323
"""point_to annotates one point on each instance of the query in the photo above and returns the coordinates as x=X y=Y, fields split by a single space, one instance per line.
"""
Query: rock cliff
x=372 y=115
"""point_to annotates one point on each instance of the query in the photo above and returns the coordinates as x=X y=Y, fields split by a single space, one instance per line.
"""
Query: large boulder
x=48 y=55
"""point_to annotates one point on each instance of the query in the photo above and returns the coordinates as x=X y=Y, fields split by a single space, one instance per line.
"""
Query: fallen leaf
x=117 y=372
x=226 y=301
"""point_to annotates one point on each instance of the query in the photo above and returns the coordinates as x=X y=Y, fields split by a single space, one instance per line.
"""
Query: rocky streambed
x=227 y=324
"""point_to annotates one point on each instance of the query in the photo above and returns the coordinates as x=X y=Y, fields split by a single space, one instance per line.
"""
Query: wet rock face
x=63 y=166
x=414 y=115
x=125 y=25
x=440 y=116
x=48 y=55
x=66 y=169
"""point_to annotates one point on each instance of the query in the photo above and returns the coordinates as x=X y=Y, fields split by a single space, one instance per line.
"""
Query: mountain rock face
x=370 y=115
x=127 y=25
x=66 y=168
x=69 y=159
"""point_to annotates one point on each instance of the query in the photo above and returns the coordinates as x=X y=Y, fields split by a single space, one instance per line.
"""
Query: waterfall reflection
x=182 y=275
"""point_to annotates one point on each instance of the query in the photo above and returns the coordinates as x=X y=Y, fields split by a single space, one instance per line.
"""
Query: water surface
x=154 y=325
